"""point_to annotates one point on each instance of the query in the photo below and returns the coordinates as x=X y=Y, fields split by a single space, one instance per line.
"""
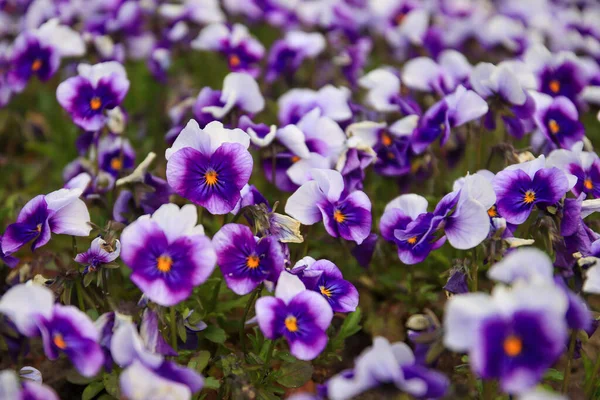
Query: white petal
x=411 y=204
x=22 y=303
x=288 y=286
x=293 y=138
x=302 y=204
x=175 y=221
x=462 y=317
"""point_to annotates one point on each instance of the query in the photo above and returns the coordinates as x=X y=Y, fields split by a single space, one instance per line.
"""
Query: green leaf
x=211 y=383
x=92 y=390
x=88 y=278
x=199 y=361
x=111 y=384
x=554 y=375
x=215 y=334
x=351 y=325
x=296 y=374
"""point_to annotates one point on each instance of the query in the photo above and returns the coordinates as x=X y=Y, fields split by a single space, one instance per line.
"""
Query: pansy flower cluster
x=307 y=199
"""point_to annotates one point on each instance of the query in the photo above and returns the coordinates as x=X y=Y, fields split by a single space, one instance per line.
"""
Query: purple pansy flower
x=210 y=166
x=385 y=363
x=347 y=216
x=168 y=253
x=247 y=261
x=521 y=187
x=353 y=162
x=402 y=23
x=7 y=259
x=301 y=316
x=383 y=92
x=287 y=54
x=240 y=91
x=12 y=389
x=261 y=135
x=242 y=50
x=38 y=52
x=115 y=155
x=60 y=212
x=323 y=276
x=443 y=77
x=332 y=101
x=99 y=253
x=585 y=165
x=97 y=88
x=557 y=118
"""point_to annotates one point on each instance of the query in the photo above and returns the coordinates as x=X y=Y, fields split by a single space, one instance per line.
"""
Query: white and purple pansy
x=168 y=253
x=346 y=216
x=387 y=363
x=100 y=252
x=12 y=389
x=59 y=212
x=301 y=316
x=557 y=118
x=585 y=165
x=245 y=260
x=240 y=91
x=210 y=166
x=383 y=92
x=97 y=88
x=331 y=100
x=287 y=54
x=115 y=155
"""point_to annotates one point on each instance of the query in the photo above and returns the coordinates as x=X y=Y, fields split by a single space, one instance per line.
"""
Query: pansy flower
x=402 y=22
x=383 y=92
x=354 y=161
x=96 y=89
x=585 y=165
x=301 y=316
x=387 y=363
x=287 y=54
x=261 y=135
x=331 y=100
x=12 y=389
x=324 y=277
x=513 y=335
x=442 y=77
x=240 y=91
x=243 y=51
x=100 y=252
x=558 y=120
x=115 y=155
x=347 y=216
x=168 y=253
x=520 y=187
x=247 y=261
x=60 y=212
x=38 y=52
x=210 y=166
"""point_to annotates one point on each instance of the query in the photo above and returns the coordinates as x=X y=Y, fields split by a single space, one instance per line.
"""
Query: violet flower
x=210 y=166
x=513 y=335
x=99 y=253
x=240 y=91
x=301 y=316
x=557 y=118
x=383 y=92
x=585 y=165
x=115 y=155
x=168 y=253
x=443 y=77
x=243 y=51
x=332 y=101
x=385 y=363
x=97 y=88
x=247 y=261
x=346 y=216
x=287 y=54
x=59 y=212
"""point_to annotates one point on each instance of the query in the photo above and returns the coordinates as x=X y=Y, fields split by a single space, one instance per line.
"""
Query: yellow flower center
x=164 y=263
x=386 y=139
x=234 y=60
x=38 y=228
x=588 y=184
x=252 y=262
x=59 y=341
x=116 y=163
x=442 y=127
x=36 y=65
x=211 y=178
x=325 y=291
x=513 y=346
x=295 y=159
x=554 y=86
x=529 y=197
x=95 y=103
x=291 y=323
x=339 y=216
x=412 y=240
x=492 y=212
x=553 y=126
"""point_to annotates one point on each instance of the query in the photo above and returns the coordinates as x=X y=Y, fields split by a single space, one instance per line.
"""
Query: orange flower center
x=59 y=341
x=386 y=139
x=95 y=103
x=325 y=291
x=553 y=126
x=442 y=127
x=399 y=18
x=513 y=346
x=211 y=178
x=492 y=212
x=164 y=263
x=588 y=184
x=291 y=323
x=252 y=262
x=412 y=240
x=295 y=159
x=116 y=163
x=554 y=86
x=36 y=65
x=529 y=197
x=234 y=60
x=339 y=216
x=38 y=228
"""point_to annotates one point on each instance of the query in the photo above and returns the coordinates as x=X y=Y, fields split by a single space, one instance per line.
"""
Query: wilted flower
x=100 y=252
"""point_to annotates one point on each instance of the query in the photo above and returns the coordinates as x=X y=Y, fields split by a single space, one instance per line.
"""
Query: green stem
x=173 y=329
x=79 y=289
x=475 y=277
x=269 y=357
x=215 y=296
x=246 y=311
x=589 y=387
x=488 y=390
x=567 y=372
